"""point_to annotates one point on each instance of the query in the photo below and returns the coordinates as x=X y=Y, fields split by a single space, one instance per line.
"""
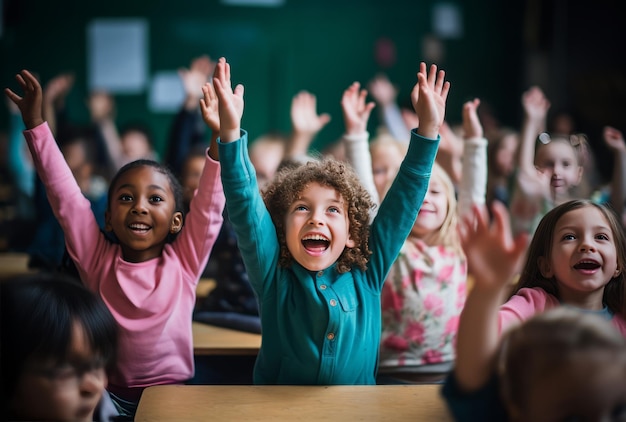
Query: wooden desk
x=13 y=264
x=283 y=403
x=212 y=340
x=204 y=287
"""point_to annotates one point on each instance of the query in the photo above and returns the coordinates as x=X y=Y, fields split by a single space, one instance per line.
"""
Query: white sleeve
x=473 y=186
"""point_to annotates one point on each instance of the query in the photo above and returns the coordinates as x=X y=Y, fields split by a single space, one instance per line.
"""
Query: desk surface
x=212 y=340
x=413 y=403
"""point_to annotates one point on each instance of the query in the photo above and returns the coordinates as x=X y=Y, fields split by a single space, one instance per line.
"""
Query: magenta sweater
x=152 y=301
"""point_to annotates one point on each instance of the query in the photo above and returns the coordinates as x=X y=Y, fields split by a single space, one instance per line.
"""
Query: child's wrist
x=31 y=124
x=230 y=135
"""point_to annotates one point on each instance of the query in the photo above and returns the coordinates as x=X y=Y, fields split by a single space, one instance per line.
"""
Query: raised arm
x=230 y=102
x=429 y=97
x=31 y=103
x=493 y=258
x=54 y=95
x=356 y=112
x=305 y=124
x=211 y=116
x=473 y=182
x=614 y=139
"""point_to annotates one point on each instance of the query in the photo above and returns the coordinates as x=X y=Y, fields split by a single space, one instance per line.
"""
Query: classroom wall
x=320 y=46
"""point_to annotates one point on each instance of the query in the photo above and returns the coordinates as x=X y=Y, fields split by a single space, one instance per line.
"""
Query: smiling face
x=583 y=257
x=317 y=227
x=142 y=212
x=558 y=160
x=434 y=209
x=52 y=391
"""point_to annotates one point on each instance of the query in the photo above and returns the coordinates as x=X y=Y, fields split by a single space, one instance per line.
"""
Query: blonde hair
x=447 y=235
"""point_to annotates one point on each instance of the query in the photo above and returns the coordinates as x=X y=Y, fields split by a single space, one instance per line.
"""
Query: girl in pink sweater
x=577 y=259
x=148 y=277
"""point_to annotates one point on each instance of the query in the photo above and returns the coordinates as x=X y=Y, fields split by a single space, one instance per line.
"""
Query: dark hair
x=541 y=246
x=289 y=184
x=177 y=190
x=37 y=314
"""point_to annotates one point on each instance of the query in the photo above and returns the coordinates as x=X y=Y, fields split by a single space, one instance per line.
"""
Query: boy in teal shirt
x=315 y=263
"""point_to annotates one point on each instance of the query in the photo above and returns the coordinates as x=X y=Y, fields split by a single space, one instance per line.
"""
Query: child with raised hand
x=614 y=139
x=316 y=264
x=575 y=259
x=148 y=276
x=550 y=167
x=57 y=343
x=425 y=289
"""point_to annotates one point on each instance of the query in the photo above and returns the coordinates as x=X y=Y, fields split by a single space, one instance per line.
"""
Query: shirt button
x=323 y=287
x=333 y=302
x=320 y=273
x=330 y=336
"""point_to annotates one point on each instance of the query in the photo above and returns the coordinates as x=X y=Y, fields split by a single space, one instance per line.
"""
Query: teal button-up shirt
x=320 y=327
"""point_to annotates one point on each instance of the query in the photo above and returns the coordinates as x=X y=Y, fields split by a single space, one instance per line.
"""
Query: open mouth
x=315 y=243
x=139 y=227
x=587 y=265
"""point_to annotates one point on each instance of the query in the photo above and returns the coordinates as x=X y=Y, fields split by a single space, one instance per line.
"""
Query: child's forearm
x=478 y=337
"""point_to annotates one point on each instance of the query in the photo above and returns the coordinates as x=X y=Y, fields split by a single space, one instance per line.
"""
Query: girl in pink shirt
x=576 y=258
x=148 y=276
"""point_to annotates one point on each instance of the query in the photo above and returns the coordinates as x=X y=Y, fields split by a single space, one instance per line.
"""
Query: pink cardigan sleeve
x=84 y=241
x=203 y=222
x=523 y=305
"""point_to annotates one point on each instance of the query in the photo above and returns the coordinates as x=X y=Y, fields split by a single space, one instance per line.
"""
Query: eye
x=334 y=209
x=568 y=237
x=125 y=197
x=62 y=373
x=300 y=208
x=602 y=236
x=156 y=198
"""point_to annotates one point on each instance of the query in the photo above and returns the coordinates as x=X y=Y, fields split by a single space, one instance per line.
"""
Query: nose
x=587 y=246
x=139 y=207
x=316 y=219
x=93 y=382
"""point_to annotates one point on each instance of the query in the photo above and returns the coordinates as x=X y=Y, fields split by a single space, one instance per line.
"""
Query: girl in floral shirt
x=425 y=290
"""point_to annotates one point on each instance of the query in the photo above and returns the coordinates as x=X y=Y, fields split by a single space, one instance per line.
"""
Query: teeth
x=139 y=226
x=314 y=237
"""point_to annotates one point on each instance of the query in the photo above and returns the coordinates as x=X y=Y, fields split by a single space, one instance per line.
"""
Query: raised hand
x=194 y=78
x=613 y=138
x=356 y=112
x=230 y=102
x=471 y=123
x=58 y=87
x=429 y=97
x=209 y=106
x=535 y=105
x=30 y=104
x=493 y=256
x=304 y=117
x=382 y=90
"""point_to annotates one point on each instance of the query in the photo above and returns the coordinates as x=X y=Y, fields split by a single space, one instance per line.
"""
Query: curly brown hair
x=289 y=184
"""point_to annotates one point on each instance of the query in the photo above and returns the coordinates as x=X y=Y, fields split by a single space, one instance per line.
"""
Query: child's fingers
x=12 y=95
x=432 y=76
x=239 y=90
x=441 y=75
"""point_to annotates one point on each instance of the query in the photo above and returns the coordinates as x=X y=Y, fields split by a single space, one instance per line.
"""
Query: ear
x=617 y=271
x=107 y=222
x=350 y=243
x=544 y=267
x=177 y=222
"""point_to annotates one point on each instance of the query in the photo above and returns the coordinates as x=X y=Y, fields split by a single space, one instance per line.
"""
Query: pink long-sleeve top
x=151 y=301
x=530 y=301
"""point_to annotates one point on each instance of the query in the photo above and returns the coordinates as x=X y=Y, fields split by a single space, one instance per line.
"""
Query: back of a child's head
x=137 y=140
x=289 y=183
x=38 y=315
x=541 y=246
x=559 y=355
